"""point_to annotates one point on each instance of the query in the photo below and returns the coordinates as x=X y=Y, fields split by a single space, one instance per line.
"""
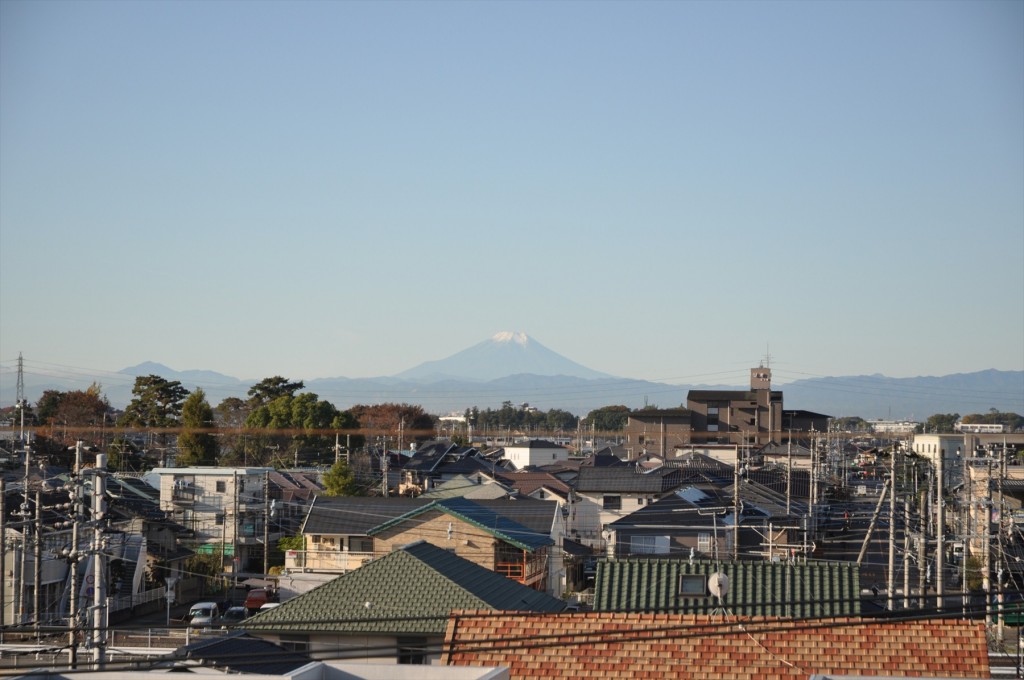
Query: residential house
x=782 y=589
x=700 y=520
x=436 y=462
x=477 y=532
x=519 y=538
x=394 y=609
x=791 y=454
x=225 y=511
x=606 y=494
x=592 y=645
x=535 y=453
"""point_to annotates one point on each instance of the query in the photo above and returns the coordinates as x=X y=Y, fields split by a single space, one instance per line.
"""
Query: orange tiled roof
x=633 y=645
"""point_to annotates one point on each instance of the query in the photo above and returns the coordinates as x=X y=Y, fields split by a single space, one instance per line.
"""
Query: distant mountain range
x=515 y=368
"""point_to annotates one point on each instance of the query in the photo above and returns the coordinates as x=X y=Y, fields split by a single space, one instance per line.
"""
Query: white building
x=226 y=511
x=535 y=452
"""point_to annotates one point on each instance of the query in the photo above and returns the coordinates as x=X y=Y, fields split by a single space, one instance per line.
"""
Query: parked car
x=233 y=615
x=258 y=597
x=203 y=614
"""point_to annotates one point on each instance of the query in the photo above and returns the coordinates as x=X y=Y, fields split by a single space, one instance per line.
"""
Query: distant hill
x=513 y=367
x=502 y=355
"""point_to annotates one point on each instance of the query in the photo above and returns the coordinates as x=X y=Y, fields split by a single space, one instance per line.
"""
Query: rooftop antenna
x=718 y=585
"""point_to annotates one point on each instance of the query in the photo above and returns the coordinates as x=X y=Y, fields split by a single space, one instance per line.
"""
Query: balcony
x=184 y=495
x=325 y=561
x=525 y=568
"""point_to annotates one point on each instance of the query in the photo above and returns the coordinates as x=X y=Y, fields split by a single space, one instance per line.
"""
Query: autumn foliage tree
x=74 y=409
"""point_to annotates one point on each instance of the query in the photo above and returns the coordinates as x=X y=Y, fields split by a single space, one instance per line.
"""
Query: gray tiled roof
x=755 y=588
x=355 y=516
x=409 y=591
x=627 y=480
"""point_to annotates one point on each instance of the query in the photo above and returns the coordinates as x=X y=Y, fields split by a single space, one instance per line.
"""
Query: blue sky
x=656 y=190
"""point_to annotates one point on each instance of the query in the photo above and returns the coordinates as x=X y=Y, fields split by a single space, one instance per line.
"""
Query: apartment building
x=225 y=511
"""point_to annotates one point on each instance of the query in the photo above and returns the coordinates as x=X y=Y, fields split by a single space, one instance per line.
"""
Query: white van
x=203 y=614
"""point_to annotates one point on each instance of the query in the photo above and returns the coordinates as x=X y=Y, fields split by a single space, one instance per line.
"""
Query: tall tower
x=20 y=404
x=21 y=381
x=760 y=378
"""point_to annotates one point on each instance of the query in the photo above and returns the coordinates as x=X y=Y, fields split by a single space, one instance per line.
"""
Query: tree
x=340 y=481
x=269 y=389
x=196 y=446
x=851 y=424
x=306 y=415
x=156 y=402
x=74 y=408
x=941 y=422
x=608 y=418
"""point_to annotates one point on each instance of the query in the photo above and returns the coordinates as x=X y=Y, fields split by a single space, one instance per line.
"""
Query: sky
x=665 y=191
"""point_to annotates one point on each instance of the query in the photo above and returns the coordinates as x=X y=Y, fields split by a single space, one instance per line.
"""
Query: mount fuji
x=504 y=354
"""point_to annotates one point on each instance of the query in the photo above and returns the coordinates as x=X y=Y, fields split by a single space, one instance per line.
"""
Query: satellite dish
x=718 y=584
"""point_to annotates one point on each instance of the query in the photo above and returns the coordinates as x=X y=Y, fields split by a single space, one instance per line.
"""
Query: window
x=361 y=544
x=612 y=503
x=219 y=519
x=412 y=650
x=294 y=643
x=222 y=486
x=692 y=585
x=648 y=545
x=704 y=542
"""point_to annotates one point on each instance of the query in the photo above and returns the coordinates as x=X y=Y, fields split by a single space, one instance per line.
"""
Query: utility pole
x=99 y=613
x=37 y=559
x=968 y=531
x=789 y=469
x=986 y=578
x=736 y=509
x=940 y=530
x=384 y=466
x=999 y=528
x=3 y=558
x=892 y=532
x=21 y=398
x=266 y=522
x=906 y=553
x=73 y=558
x=874 y=521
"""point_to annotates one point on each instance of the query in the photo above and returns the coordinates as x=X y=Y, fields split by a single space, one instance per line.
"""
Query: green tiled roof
x=755 y=588
x=409 y=592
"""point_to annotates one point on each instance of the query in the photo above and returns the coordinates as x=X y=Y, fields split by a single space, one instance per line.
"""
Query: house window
x=704 y=542
x=412 y=650
x=294 y=643
x=364 y=545
x=692 y=585
x=612 y=503
x=219 y=519
x=648 y=545
x=222 y=486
